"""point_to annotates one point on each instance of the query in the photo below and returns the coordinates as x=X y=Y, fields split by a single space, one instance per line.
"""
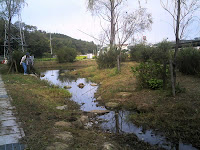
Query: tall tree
x=8 y=9
x=182 y=13
x=122 y=24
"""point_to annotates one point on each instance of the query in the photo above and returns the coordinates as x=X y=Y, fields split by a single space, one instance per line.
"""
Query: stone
x=88 y=125
x=99 y=98
x=67 y=87
x=124 y=94
x=58 y=146
x=99 y=112
x=33 y=75
x=93 y=84
x=65 y=136
x=112 y=105
x=64 y=107
x=84 y=119
x=78 y=124
x=81 y=85
x=42 y=75
x=108 y=146
x=63 y=124
x=62 y=74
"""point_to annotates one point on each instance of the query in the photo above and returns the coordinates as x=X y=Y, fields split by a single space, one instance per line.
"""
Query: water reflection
x=115 y=121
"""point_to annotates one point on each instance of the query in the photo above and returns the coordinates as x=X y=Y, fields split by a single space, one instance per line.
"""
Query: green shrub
x=16 y=56
x=124 y=56
x=47 y=55
x=155 y=83
x=107 y=59
x=149 y=74
x=188 y=61
x=66 y=55
x=141 y=52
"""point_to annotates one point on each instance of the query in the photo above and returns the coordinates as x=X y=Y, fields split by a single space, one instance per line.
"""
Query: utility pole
x=51 y=46
x=20 y=31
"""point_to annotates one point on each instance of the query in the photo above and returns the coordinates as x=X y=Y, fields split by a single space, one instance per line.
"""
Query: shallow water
x=115 y=120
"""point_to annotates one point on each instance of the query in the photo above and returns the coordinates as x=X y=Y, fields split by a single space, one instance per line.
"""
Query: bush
x=188 y=61
x=66 y=55
x=107 y=59
x=141 y=52
x=149 y=74
x=16 y=56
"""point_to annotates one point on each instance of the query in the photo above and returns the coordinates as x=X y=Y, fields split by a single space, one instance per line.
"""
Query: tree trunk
x=177 y=44
x=172 y=77
x=164 y=74
x=118 y=63
x=9 y=36
x=112 y=24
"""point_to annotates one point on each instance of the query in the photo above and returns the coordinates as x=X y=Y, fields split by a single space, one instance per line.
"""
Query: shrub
x=155 y=83
x=141 y=52
x=149 y=74
x=107 y=59
x=188 y=61
x=66 y=55
x=16 y=56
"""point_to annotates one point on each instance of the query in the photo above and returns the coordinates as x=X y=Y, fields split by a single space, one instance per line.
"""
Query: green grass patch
x=81 y=57
x=45 y=59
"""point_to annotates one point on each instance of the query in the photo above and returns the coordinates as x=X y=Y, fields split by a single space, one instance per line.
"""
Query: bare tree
x=130 y=24
x=122 y=25
x=182 y=13
x=8 y=9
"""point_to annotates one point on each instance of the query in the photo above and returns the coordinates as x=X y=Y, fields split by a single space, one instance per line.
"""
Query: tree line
x=38 y=41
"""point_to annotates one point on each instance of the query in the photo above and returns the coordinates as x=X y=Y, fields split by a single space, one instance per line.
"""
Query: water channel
x=115 y=121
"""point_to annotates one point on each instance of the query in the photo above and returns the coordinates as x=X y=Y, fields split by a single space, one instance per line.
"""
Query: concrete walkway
x=10 y=131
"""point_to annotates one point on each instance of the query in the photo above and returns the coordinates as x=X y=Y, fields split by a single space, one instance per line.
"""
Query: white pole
x=51 y=46
x=20 y=30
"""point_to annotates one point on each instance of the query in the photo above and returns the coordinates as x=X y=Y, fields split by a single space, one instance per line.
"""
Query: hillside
x=37 y=41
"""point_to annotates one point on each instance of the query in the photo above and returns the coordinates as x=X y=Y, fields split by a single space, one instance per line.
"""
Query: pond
x=114 y=121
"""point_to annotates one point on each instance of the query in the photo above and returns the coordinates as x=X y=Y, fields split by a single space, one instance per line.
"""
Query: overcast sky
x=70 y=16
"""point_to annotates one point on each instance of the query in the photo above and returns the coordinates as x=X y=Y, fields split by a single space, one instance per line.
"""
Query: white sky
x=70 y=16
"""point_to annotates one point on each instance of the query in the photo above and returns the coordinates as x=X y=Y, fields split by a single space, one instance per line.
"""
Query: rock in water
x=67 y=87
x=99 y=112
x=81 y=85
x=42 y=75
x=62 y=74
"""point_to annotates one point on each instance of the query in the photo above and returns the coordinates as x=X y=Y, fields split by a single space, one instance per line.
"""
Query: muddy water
x=114 y=121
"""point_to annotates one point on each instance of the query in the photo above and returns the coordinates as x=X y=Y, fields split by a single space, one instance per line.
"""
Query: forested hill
x=38 y=41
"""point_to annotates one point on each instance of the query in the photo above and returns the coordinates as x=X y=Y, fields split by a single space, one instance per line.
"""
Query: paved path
x=10 y=132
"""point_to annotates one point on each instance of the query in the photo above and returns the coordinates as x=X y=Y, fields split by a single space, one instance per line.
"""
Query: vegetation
x=153 y=71
x=107 y=59
x=152 y=108
x=37 y=41
x=188 y=61
x=36 y=100
x=66 y=55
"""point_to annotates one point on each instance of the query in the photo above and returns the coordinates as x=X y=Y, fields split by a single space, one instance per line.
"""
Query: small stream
x=115 y=121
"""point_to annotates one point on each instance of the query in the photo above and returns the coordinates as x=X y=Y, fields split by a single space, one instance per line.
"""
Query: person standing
x=23 y=62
